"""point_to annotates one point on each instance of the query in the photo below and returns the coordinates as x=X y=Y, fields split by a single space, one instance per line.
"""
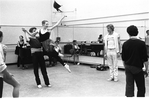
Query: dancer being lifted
x=44 y=35
x=38 y=59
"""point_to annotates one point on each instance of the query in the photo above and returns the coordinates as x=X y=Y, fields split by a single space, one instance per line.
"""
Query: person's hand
x=118 y=55
x=64 y=16
x=48 y=30
x=105 y=56
x=4 y=47
x=23 y=29
x=145 y=74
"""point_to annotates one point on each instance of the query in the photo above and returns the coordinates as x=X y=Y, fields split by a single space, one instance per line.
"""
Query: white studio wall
x=89 y=29
x=24 y=12
x=84 y=9
x=15 y=14
x=86 y=19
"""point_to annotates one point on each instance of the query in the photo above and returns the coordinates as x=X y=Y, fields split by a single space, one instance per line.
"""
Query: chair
x=67 y=53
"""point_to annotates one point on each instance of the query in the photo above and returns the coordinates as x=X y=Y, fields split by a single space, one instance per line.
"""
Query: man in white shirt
x=112 y=51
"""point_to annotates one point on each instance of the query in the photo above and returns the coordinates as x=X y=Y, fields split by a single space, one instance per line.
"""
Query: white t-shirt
x=2 y=63
x=110 y=41
x=76 y=47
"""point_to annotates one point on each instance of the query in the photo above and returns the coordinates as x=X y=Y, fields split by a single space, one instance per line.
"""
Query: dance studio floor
x=82 y=82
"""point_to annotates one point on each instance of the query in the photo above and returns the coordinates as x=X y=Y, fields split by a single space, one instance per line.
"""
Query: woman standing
x=20 y=46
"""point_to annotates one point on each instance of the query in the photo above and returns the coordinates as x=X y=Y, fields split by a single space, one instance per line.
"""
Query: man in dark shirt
x=134 y=58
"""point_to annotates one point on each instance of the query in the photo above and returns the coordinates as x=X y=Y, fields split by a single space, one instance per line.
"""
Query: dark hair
x=147 y=31
x=21 y=36
x=111 y=26
x=1 y=34
x=31 y=29
x=100 y=35
x=44 y=21
x=74 y=41
x=132 y=30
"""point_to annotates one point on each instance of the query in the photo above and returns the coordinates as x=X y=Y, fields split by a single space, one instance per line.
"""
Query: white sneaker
x=49 y=85
x=110 y=79
x=116 y=79
x=39 y=86
x=61 y=55
x=67 y=67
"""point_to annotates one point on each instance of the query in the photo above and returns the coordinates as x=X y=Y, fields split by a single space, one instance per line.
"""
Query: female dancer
x=44 y=35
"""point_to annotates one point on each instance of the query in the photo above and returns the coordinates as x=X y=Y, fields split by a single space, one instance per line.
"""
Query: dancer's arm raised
x=57 y=23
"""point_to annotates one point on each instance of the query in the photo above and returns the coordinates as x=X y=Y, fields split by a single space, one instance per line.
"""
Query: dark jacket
x=134 y=53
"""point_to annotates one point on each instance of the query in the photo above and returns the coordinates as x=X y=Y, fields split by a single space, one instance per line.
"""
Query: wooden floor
x=82 y=82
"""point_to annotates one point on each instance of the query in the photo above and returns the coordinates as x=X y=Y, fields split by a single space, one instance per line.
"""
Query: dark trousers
x=20 y=61
x=55 y=55
x=147 y=48
x=134 y=75
x=1 y=87
x=38 y=61
x=20 y=57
